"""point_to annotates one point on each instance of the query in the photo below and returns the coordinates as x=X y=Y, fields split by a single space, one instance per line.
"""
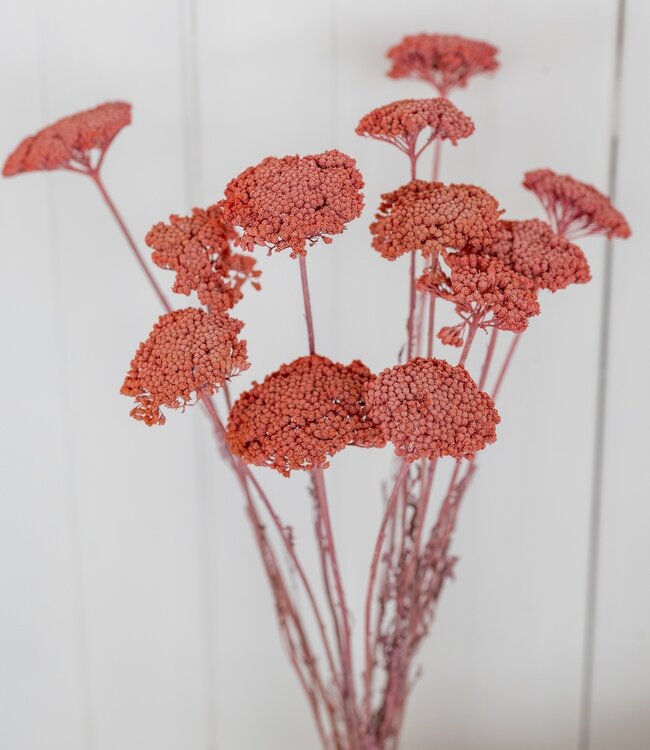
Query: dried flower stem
x=389 y=513
x=307 y=302
x=95 y=177
x=488 y=358
x=506 y=364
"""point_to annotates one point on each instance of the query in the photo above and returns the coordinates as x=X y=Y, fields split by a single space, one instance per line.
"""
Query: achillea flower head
x=302 y=414
x=289 y=202
x=532 y=249
x=431 y=217
x=575 y=208
x=198 y=249
x=428 y=408
x=71 y=141
x=490 y=292
x=188 y=352
x=400 y=123
x=445 y=61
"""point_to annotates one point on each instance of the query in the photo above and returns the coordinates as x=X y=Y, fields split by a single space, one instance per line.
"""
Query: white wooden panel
x=621 y=691
x=503 y=667
x=42 y=672
x=135 y=489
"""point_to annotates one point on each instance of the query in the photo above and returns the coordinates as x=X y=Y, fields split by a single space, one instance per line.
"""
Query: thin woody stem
x=349 y=699
x=410 y=321
x=468 y=343
x=379 y=543
x=505 y=366
x=488 y=358
x=94 y=176
x=307 y=302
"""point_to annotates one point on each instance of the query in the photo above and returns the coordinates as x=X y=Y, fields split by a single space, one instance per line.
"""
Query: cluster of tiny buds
x=428 y=408
x=432 y=216
x=198 y=249
x=293 y=201
x=442 y=60
x=189 y=353
x=69 y=143
x=400 y=123
x=575 y=209
x=489 y=292
x=532 y=249
x=302 y=414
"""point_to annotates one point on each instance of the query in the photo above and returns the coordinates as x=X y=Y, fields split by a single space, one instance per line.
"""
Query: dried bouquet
x=490 y=270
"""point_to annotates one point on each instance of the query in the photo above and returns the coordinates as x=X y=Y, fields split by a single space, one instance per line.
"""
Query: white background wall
x=133 y=612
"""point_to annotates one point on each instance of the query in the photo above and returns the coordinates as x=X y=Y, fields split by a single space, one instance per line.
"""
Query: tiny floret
x=294 y=201
x=188 y=352
x=302 y=414
x=574 y=208
x=431 y=217
x=445 y=61
x=428 y=408
x=400 y=123
x=198 y=249
x=531 y=248
x=70 y=143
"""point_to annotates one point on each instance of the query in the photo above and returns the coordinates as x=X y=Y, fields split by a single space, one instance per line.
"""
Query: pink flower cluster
x=302 y=414
x=445 y=61
x=188 y=352
x=69 y=142
x=532 y=249
x=289 y=202
x=575 y=208
x=428 y=408
x=401 y=122
x=198 y=249
x=432 y=217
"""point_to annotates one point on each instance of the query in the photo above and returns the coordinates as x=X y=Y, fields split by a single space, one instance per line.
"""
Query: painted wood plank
x=42 y=653
x=135 y=489
x=621 y=688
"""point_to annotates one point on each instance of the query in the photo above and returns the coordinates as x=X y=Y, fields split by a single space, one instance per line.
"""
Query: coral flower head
x=69 y=143
x=431 y=216
x=428 y=408
x=289 y=202
x=301 y=414
x=197 y=248
x=400 y=123
x=188 y=351
x=492 y=293
x=532 y=249
x=574 y=208
x=445 y=61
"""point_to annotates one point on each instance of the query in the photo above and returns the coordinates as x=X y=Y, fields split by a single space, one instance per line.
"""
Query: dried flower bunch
x=489 y=270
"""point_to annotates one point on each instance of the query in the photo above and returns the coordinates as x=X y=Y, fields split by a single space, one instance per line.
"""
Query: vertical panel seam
x=74 y=523
x=594 y=541
x=193 y=178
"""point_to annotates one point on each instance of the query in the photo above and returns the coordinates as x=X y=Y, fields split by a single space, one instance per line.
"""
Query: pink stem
x=307 y=302
x=431 y=328
x=437 y=149
x=379 y=543
x=349 y=699
x=505 y=366
x=94 y=175
x=410 y=321
x=468 y=343
x=488 y=358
